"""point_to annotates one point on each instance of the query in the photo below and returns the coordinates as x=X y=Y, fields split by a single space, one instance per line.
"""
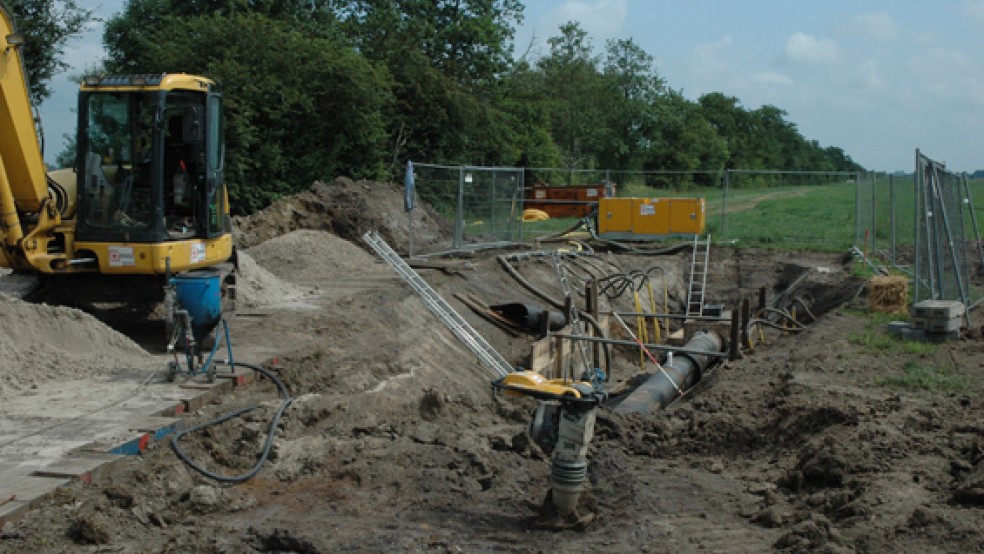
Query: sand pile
x=313 y=257
x=40 y=343
x=258 y=288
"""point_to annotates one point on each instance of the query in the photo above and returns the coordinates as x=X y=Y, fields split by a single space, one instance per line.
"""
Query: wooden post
x=746 y=316
x=544 y=324
x=559 y=358
x=734 y=352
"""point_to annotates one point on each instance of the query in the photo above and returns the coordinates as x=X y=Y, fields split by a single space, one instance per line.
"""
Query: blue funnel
x=199 y=292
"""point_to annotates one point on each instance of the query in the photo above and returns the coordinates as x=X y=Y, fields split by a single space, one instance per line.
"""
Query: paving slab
x=74 y=429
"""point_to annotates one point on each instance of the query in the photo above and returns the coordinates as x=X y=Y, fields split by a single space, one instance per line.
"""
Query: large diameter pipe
x=678 y=375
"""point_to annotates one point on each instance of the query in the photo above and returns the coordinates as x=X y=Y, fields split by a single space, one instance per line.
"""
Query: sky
x=877 y=78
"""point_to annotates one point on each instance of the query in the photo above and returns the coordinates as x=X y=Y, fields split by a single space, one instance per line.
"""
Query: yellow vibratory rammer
x=562 y=426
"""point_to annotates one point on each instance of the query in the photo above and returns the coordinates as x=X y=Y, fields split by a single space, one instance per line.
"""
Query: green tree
x=47 y=26
x=447 y=59
x=529 y=119
x=633 y=89
x=572 y=89
x=684 y=141
x=299 y=106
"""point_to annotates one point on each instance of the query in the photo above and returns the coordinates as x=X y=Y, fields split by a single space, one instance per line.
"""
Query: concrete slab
x=76 y=429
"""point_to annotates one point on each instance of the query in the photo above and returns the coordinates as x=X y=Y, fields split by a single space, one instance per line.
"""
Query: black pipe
x=650 y=346
x=504 y=262
x=676 y=378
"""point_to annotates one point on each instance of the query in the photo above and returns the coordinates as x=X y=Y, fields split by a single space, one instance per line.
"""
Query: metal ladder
x=452 y=319
x=698 y=275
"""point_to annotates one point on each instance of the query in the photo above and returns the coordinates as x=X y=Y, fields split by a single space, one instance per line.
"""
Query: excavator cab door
x=119 y=179
x=217 y=220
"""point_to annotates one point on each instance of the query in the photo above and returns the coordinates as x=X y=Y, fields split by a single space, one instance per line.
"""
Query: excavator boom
x=20 y=150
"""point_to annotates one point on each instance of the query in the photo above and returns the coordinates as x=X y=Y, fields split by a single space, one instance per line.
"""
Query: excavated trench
x=395 y=442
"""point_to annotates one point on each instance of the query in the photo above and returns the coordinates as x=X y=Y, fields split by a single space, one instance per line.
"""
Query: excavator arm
x=24 y=197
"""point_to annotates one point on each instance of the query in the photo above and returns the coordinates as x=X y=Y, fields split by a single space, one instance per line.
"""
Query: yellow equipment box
x=629 y=218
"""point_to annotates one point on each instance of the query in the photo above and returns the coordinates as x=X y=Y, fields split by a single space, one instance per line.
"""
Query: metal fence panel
x=944 y=215
x=484 y=204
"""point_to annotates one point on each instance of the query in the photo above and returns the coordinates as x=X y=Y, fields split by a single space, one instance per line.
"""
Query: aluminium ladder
x=698 y=275
x=439 y=307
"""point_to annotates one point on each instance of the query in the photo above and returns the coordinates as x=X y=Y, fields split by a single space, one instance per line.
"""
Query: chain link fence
x=484 y=204
x=885 y=217
x=821 y=210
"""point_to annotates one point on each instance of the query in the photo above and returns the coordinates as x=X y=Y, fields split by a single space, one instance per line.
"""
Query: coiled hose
x=285 y=394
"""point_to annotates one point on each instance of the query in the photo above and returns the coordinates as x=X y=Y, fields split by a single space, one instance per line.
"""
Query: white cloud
x=878 y=26
x=804 y=48
x=868 y=76
x=950 y=77
x=602 y=19
x=975 y=9
x=941 y=62
x=705 y=56
x=771 y=78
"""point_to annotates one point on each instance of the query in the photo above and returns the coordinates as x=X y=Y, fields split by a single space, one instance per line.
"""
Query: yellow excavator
x=145 y=199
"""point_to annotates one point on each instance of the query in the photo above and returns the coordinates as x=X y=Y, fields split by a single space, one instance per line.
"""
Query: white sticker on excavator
x=197 y=253
x=120 y=256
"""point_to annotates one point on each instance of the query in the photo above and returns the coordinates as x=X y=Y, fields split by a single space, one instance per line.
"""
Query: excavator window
x=151 y=166
x=118 y=161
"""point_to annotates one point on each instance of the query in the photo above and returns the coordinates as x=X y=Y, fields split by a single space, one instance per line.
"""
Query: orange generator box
x=639 y=218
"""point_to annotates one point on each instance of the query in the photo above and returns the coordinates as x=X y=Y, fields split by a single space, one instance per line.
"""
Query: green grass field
x=812 y=217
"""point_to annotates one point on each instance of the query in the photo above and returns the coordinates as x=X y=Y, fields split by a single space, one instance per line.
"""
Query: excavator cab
x=149 y=162
x=145 y=200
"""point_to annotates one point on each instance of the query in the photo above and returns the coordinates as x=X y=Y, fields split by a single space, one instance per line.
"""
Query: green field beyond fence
x=830 y=217
x=823 y=212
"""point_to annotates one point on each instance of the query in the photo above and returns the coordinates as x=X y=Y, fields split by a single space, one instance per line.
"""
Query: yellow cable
x=666 y=306
x=652 y=309
x=641 y=330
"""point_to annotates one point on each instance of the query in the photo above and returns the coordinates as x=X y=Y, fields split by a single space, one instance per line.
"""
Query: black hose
x=560 y=234
x=266 y=447
x=504 y=262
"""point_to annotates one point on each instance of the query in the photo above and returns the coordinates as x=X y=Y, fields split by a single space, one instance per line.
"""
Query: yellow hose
x=641 y=330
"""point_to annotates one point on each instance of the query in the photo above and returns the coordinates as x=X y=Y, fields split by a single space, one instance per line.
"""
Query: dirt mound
x=347 y=209
x=308 y=256
x=41 y=343
x=815 y=441
x=256 y=287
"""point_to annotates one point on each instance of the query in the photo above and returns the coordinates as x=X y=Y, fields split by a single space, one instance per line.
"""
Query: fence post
x=459 y=218
x=874 y=216
x=492 y=215
x=857 y=208
x=521 y=192
x=724 y=203
x=891 y=201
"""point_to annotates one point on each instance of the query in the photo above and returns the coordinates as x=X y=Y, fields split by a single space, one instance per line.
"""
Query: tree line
x=318 y=88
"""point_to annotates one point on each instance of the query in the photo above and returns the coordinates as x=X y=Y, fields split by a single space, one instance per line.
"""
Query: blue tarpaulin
x=408 y=187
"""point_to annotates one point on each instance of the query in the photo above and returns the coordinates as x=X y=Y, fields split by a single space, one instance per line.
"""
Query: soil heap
x=41 y=343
